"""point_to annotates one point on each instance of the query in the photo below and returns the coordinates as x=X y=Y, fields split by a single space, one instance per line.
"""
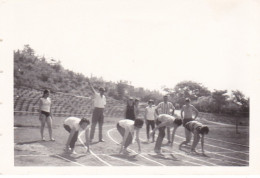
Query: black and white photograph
x=128 y=85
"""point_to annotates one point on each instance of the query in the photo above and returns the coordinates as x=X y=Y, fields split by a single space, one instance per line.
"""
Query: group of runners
x=160 y=117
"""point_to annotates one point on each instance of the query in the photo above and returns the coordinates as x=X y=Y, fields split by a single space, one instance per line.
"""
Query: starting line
x=108 y=132
x=106 y=163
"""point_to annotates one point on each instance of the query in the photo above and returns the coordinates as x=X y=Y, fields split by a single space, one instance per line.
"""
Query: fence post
x=237 y=125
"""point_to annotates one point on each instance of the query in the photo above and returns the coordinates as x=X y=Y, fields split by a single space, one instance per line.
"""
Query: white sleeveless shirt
x=46 y=104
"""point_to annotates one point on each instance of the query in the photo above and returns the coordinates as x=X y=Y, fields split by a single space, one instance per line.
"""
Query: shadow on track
x=29 y=142
x=125 y=156
x=71 y=157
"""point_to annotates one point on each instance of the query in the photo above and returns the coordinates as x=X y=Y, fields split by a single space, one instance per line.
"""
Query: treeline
x=34 y=71
x=218 y=101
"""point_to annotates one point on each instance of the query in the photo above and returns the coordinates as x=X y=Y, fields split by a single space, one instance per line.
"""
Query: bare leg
x=43 y=120
x=188 y=137
x=195 y=141
x=49 y=123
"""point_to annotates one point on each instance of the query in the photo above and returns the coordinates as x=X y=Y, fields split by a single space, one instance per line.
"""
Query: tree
x=121 y=88
x=219 y=99
x=239 y=98
x=204 y=103
x=187 y=89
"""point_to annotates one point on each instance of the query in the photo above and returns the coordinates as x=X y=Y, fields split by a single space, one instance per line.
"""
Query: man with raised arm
x=98 y=113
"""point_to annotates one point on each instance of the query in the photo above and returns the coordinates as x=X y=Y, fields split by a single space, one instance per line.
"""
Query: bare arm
x=91 y=87
x=195 y=142
x=156 y=109
x=127 y=132
x=202 y=143
x=173 y=134
x=159 y=126
x=196 y=112
x=173 y=109
x=145 y=115
x=182 y=110
x=87 y=138
x=51 y=110
x=40 y=105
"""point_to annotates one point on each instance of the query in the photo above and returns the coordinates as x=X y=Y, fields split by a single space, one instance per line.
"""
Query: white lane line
x=30 y=155
x=226 y=152
x=108 y=132
x=106 y=163
x=217 y=146
x=49 y=156
x=122 y=160
x=240 y=164
x=195 y=159
x=176 y=154
x=69 y=160
x=188 y=156
x=213 y=153
x=226 y=142
x=229 y=157
x=179 y=160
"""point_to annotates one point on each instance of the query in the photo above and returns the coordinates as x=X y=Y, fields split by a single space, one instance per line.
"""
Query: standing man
x=98 y=113
x=186 y=115
x=166 y=108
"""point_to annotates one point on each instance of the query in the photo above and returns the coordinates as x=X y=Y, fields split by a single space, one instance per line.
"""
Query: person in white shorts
x=163 y=121
x=75 y=125
x=129 y=130
x=45 y=115
x=149 y=117
x=197 y=129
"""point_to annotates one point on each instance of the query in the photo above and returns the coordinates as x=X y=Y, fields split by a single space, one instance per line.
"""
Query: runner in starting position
x=197 y=129
x=163 y=121
x=129 y=130
x=73 y=125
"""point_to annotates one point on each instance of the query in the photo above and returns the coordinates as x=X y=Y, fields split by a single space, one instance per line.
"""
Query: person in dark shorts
x=186 y=114
x=75 y=125
x=130 y=109
x=149 y=117
x=98 y=113
x=129 y=130
x=45 y=115
x=196 y=128
x=137 y=110
x=163 y=121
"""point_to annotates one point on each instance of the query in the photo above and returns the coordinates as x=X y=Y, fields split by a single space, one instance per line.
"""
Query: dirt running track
x=223 y=147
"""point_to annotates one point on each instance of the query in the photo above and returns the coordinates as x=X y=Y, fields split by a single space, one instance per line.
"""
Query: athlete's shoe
x=73 y=152
x=101 y=140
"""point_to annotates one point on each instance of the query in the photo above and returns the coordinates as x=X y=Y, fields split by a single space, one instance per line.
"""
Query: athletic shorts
x=185 y=120
x=47 y=114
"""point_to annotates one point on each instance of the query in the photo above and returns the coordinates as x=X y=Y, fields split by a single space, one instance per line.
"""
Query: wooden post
x=237 y=122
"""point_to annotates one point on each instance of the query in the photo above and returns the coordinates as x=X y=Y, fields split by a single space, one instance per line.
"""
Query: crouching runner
x=197 y=129
x=163 y=121
x=75 y=125
x=129 y=130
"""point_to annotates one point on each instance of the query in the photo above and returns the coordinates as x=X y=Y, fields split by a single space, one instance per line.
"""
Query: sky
x=150 y=43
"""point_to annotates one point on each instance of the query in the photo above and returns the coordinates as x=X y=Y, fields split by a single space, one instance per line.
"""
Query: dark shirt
x=130 y=112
